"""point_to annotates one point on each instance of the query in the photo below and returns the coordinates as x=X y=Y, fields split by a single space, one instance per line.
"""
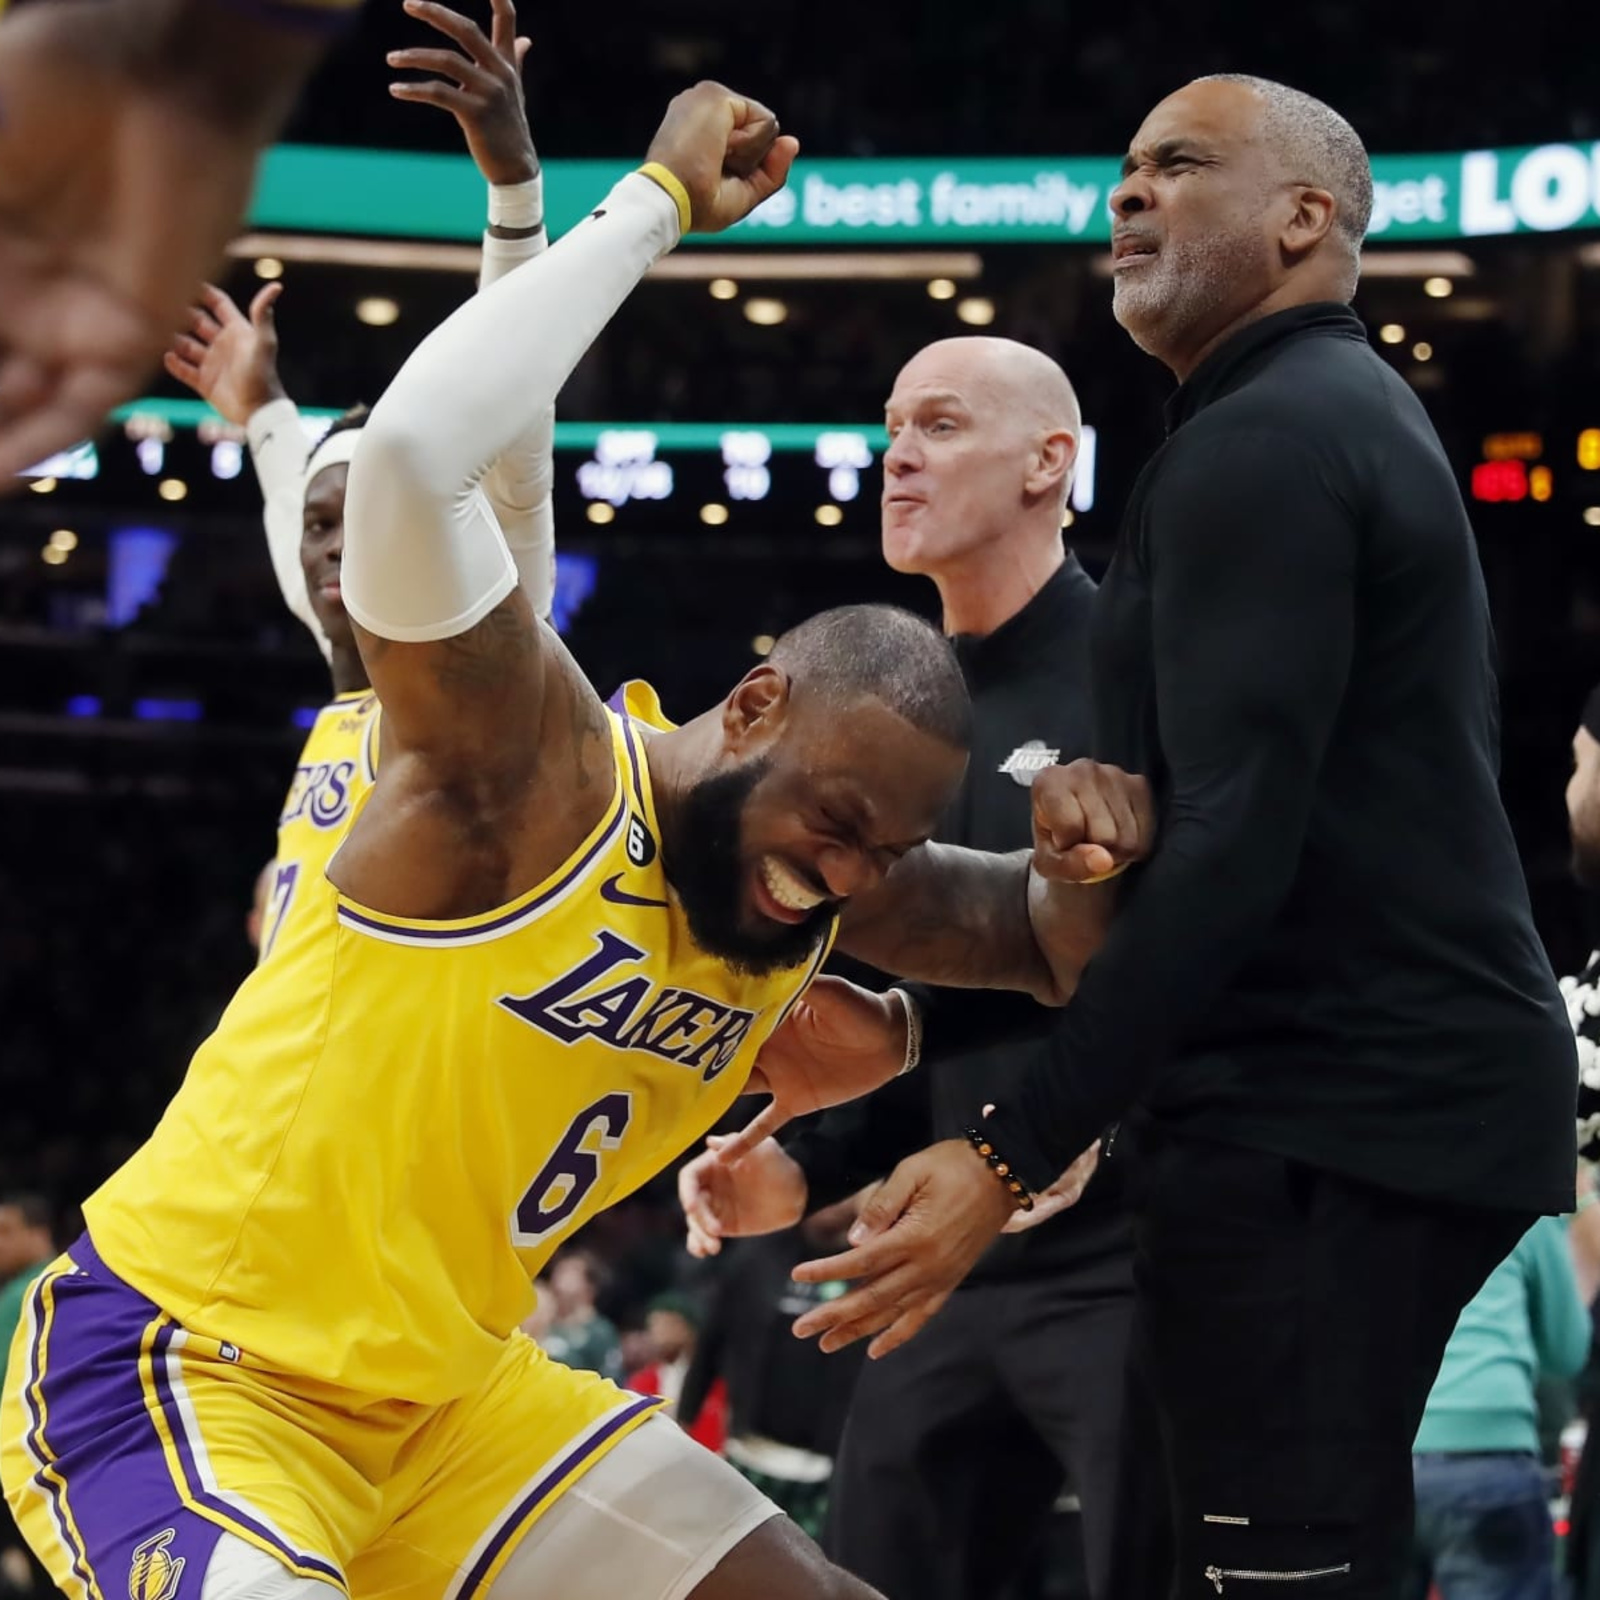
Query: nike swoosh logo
x=621 y=897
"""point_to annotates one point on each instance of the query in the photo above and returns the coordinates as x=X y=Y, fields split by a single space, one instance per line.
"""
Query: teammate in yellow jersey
x=284 y=1358
x=231 y=360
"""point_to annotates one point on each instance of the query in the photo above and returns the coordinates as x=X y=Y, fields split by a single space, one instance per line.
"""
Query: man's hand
x=838 y=1043
x=1090 y=821
x=915 y=1240
x=227 y=358
x=726 y=151
x=481 y=86
x=127 y=147
x=722 y=1199
x=1064 y=1193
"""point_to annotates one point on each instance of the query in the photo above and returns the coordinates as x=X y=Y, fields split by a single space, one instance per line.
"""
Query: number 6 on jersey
x=570 y=1173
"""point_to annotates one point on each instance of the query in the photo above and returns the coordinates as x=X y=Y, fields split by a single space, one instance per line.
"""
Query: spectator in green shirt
x=26 y=1243
x=1483 y=1519
x=580 y=1336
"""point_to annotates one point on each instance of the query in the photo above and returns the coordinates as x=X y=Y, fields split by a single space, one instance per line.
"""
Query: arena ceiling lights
x=770 y=266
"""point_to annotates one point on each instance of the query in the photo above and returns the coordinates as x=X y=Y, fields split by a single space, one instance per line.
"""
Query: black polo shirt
x=1331 y=956
x=1029 y=681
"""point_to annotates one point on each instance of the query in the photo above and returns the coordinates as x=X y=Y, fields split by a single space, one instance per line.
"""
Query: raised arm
x=479 y=699
x=230 y=360
x=480 y=85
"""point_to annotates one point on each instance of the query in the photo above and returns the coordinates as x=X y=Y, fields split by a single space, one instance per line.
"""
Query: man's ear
x=1053 y=460
x=1309 y=222
x=755 y=713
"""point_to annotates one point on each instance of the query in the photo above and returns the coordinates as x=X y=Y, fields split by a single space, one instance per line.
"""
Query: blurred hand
x=917 y=1237
x=762 y=1192
x=127 y=149
x=480 y=85
x=1090 y=821
x=227 y=358
x=839 y=1042
x=725 y=150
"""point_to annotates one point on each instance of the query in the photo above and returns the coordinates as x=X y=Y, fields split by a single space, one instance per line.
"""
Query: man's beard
x=704 y=865
x=1185 y=287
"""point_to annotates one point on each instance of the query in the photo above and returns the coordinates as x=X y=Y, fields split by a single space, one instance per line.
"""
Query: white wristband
x=913 y=1032
x=517 y=205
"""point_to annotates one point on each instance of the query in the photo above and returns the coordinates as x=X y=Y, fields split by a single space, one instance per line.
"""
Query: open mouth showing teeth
x=787 y=888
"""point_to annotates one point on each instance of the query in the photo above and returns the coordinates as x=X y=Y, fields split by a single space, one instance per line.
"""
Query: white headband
x=335 y=450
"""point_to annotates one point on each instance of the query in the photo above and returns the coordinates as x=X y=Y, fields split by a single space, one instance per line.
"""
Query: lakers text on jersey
x=336 y=769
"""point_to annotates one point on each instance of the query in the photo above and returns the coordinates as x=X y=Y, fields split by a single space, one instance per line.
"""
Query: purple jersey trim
x=228 y=1510
x=633 y=758
x=45 y=1473
x=411 y=933
x=824 y=945
x=511 y=1527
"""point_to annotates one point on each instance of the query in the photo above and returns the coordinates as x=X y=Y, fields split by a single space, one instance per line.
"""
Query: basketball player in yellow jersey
x=231 y=361
x=284 y=1359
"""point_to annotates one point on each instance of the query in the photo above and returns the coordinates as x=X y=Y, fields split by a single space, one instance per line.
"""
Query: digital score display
x=1513 y=470
x=825 y=464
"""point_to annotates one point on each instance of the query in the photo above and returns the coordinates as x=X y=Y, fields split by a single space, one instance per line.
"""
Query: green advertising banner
x=1548 y=188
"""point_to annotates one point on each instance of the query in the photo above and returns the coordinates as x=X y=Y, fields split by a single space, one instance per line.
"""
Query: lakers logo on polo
x=154 y=1574
x=1027 y=761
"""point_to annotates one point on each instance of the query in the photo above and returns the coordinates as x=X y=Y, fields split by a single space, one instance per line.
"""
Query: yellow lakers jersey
x=396 y=1121
x=336 y=768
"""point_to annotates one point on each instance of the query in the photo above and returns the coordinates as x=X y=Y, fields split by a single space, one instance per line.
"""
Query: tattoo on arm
x=480 y=658
x=952 y=916
x=588 y=721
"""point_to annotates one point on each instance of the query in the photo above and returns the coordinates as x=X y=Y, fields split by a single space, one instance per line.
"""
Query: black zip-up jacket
x=1331 y=956
x=1029 y=684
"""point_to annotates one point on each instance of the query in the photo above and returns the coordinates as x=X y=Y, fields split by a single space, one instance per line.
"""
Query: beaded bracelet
x=1001 y=1168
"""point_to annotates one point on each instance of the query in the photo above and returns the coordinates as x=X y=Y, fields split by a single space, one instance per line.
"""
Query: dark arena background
x=718 y=460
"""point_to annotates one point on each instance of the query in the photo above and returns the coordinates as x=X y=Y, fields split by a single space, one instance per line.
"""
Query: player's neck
x=987 y=589
x=675 y=758
x=349 y=670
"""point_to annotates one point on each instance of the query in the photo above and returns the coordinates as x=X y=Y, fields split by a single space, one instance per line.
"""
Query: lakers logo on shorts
x=154 y=1574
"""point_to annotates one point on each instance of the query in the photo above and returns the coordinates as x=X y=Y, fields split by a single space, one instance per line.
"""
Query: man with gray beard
x=1352 y=1069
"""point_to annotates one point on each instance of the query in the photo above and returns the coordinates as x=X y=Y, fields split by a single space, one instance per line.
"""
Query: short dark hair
x=1321 y=147
x=37 y=1212
x=594 y=1269
x=882 y=653
x=355 y=417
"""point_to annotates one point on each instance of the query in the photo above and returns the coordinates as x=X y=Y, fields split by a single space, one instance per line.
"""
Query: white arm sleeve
x=520 y=484
x=424 y=557
x=278 y=447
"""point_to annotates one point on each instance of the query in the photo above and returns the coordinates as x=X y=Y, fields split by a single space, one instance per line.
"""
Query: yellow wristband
x=1104 y=877
x=656 y=173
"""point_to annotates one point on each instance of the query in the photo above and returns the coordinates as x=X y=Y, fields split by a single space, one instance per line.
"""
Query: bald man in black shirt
x=1355 y=1079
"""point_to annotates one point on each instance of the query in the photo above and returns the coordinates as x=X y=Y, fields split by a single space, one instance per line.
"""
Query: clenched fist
x=1090 y=821
x=725 y=150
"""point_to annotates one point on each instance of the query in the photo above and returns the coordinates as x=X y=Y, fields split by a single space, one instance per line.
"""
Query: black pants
x=1289 y=1324
x=957 y=1445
